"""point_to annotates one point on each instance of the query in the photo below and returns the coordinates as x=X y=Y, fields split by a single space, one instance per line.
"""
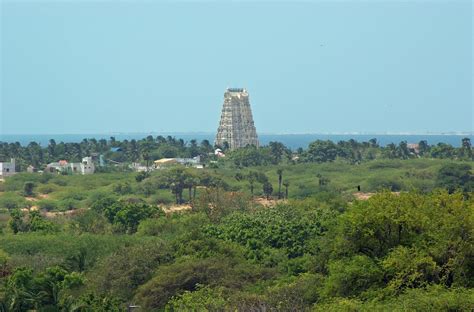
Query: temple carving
x=236 y=127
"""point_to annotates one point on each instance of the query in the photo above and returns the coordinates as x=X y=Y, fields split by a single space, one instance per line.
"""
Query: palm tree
x=280 y=177
x=251 y=177
x=286 y=184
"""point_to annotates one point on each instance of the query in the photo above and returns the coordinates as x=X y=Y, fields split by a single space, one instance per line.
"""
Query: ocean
x=293 y=141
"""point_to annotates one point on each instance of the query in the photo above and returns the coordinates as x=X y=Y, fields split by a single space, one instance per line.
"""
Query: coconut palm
x=280 y=178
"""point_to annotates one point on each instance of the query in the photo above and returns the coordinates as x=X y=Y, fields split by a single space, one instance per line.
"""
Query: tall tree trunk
x=280 y=177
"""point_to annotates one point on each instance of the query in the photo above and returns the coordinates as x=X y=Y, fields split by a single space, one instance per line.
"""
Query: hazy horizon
x=311 y=67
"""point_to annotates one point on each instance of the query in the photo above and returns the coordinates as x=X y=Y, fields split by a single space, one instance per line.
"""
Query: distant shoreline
x=468 y=133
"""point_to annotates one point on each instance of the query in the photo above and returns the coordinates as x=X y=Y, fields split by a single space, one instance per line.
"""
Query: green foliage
x=28 y=188
x=47 y=188
x=186 y=275
x=89 y=221
x=433 y=298
x=252 y=156
x=47 y=204
x=352 y=276
x=409 y=268
x=202 y=299
x=456 y=176
x=4 y=264
x=421 y=239
x=46 y=290
x=122 y=272
x=11 y=200
x=267 y=189
x=126 y=214
x=30 y=222
x=322 y=251
x=321 y=151
x=92 y=302
x=282 y=227
x=173 y=225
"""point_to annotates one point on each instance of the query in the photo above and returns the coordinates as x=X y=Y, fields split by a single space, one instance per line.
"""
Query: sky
x=163 y=66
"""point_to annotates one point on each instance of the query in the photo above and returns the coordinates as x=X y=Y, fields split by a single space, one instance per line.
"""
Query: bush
x=162 y=199
x=10 y=200
x=47 y=188
x=47 y=204
x=351 y=277
x=89 y=221
x=28 y=188
x=68 y=204
x=379 y=183
x=122 y=272
x=173 y=225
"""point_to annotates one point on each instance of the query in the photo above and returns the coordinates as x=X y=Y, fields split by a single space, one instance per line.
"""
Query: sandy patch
x=177 y=208
x=365 y=196
x=268 y=202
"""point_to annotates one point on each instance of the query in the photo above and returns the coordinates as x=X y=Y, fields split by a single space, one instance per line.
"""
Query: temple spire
x=236 y=126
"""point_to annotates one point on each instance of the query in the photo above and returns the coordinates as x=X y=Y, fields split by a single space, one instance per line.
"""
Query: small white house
x=87 y=165
x=7 y=168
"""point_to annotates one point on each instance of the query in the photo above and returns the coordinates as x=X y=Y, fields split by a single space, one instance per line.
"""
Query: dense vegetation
x=150 y=148
x=183 y=239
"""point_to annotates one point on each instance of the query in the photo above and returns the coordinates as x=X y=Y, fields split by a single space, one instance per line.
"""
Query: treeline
x=350 y=151
x=151 y=148
x=146 y=149
x=392 y=252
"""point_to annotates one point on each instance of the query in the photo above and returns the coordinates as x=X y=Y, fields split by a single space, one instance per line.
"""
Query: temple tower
x=236 y=126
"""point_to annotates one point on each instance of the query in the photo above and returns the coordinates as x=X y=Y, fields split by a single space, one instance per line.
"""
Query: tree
x=321 y=151
x=455 y=176
x=286 y=184
x=176 y=181
x=466 y=149
x=267 y=189
x=280 y=177
x=28 y=188
x=423 y=147
x=127 y=214
x=349 y=277
x=277 y=151
x=142 y=176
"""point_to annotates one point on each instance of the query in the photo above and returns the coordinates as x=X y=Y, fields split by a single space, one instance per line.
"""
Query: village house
x=414 y=148
x=63 y=166
x=7 y=168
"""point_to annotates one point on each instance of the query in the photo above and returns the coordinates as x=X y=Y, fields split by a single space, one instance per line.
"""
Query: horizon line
x=261 y=133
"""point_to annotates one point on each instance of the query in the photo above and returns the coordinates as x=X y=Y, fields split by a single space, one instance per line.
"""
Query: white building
x=7 y=168
x=85 y=167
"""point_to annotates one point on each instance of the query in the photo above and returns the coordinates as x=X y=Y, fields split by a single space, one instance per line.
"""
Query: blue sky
x=309 y=66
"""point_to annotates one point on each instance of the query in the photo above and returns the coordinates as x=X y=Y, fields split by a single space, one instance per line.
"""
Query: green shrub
x=47 y=204
x=68 y=204
x=162 y=198
x=47 y=188
x=10 y=200
x=352 y=276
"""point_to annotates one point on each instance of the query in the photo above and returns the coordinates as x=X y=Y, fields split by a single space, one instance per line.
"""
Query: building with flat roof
x=7 y=168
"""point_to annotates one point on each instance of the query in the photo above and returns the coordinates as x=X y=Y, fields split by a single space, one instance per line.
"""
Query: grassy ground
x=60 y=193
